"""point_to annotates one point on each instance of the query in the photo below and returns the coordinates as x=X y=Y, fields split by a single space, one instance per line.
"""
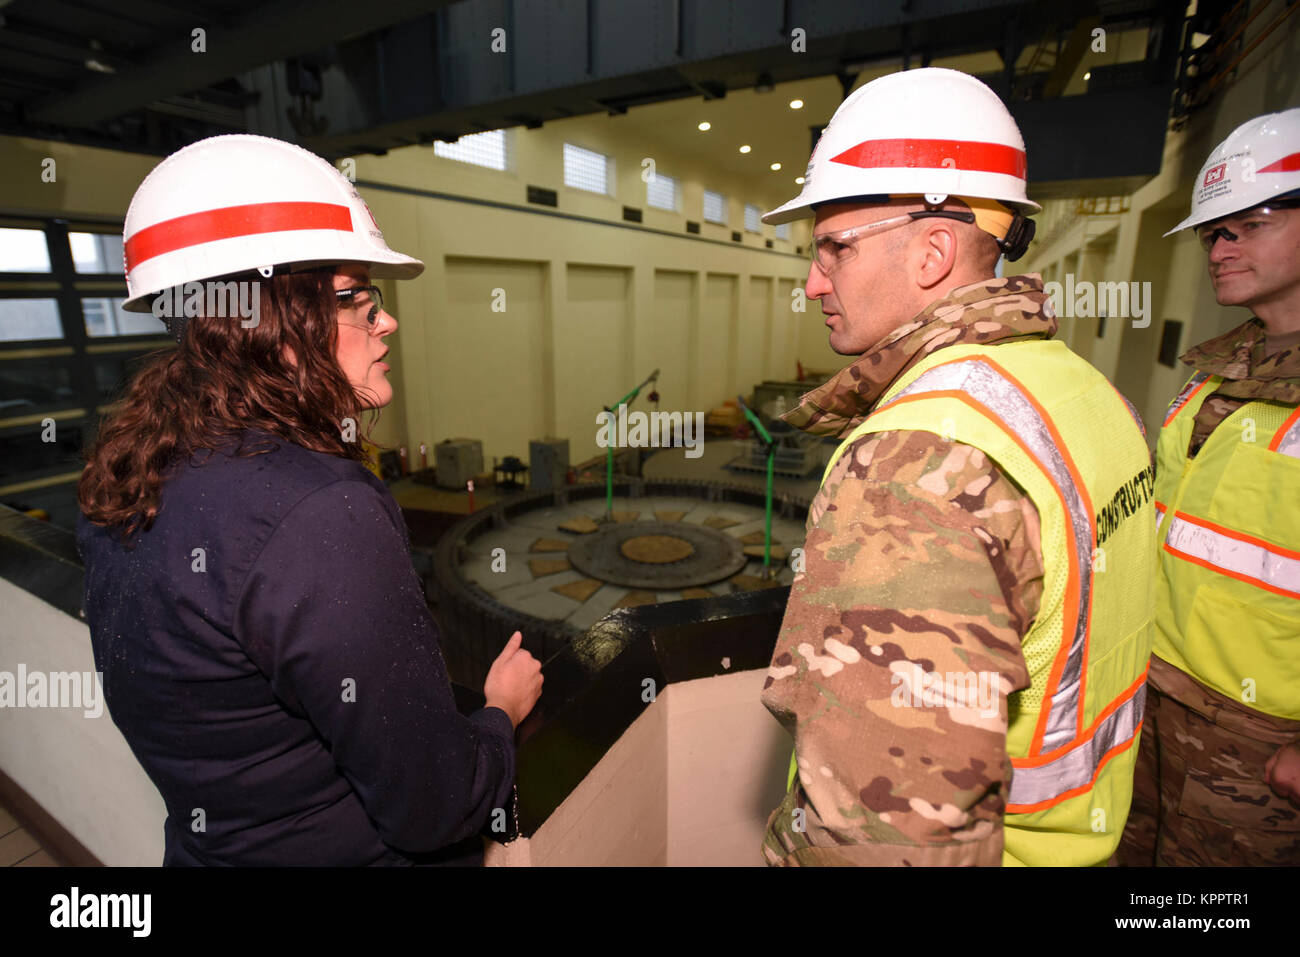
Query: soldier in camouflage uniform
x=951 y=578
x=922 y=554
x=1218 y=780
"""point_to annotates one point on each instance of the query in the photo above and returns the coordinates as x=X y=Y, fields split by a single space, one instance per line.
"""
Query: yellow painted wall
x=591 y=308
x=87 y=182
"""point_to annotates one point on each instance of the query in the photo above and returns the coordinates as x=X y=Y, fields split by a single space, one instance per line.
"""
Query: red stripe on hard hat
x=230 y=223
x=966 y=155
x=1287 y=164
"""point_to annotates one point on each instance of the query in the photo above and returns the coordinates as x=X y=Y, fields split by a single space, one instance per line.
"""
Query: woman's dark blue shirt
x=267 y=653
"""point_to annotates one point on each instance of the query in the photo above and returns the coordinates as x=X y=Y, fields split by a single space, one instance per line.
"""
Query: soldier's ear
x=938 y=253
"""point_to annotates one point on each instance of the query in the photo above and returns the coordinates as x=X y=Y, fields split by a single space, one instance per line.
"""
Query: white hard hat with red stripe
x=930 y=132
x=235 y=204
x=1259 y=161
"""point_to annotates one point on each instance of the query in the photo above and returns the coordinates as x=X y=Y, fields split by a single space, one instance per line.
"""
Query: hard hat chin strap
x=1019 y=234
x=1020 y=231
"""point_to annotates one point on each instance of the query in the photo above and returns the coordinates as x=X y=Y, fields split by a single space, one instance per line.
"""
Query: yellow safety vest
x=1228 y=592
x=1059 y=429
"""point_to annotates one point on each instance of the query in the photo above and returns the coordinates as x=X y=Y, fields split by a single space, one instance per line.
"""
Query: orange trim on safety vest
x=1283 y=429
x=1178 y=406
x=1239 y=536
x=1038 y=760
x=1231 y=573
x=1072 y=588
x=1081 y=789
x=1041 y=760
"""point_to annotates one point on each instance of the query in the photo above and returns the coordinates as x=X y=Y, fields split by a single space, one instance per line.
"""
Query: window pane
x=661 y=192
x=113 y=373
x=482 y=149
x=22 y=319
x=23 y=250
x=584 y=169
x=752 y=213
x=783 y=231
x=97 y=252
x=715 y=207
x=36 y=385
x=106 y=317
x=23 y=455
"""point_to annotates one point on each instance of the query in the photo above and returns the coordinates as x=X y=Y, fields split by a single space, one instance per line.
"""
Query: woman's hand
x=514 y=682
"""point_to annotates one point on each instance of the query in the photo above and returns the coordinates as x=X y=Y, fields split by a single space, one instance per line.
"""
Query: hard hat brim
x=801 y=207
x=1197 y=220
x=399 y=267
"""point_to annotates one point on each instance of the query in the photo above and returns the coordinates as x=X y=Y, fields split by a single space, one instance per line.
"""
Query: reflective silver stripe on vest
x=1227 y=554
x=1077 y=767
x=1132 y=410
x=1019 y=417
x=1290 y=443
x=1181 y=398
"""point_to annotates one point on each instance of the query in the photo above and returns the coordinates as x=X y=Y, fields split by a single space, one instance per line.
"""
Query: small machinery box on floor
x=457 y=461
x=548 y=463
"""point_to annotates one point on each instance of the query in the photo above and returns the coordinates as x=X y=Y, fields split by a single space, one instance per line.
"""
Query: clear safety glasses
x=1250 y=226
x=832 y=250
x=353 y=298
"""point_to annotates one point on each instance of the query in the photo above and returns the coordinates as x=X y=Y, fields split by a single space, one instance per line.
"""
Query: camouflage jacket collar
x=993 y=310
x=1239 y=356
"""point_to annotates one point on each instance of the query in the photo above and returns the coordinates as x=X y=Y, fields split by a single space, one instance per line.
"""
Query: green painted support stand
x=609 y=449
x=767 y=511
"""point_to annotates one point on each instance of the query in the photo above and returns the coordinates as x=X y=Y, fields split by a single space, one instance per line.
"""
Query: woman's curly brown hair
x=221 y=380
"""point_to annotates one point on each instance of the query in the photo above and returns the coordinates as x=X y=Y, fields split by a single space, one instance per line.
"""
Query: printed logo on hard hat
x=1216 y=181
x=812 y=160
x=375 y=232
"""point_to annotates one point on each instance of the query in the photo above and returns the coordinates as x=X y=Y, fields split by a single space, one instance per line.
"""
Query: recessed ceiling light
x=796 y=104
x=1088 y=75
x=776 y=166
x=705 y=125
x=799 y=180
x=745 y=148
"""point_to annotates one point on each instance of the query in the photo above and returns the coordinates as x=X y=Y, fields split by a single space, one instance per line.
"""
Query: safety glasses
x=830 y=251
x=353 y=298
x=1251 y=226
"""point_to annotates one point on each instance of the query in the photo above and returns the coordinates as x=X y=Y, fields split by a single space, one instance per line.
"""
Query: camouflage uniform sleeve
x=899 y=646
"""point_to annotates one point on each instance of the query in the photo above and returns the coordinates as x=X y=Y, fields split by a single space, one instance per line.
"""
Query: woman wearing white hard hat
x=1218 y=779
x=262 y=635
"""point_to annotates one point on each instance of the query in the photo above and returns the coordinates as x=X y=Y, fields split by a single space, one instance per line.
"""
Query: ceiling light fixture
x=745 y=148
x=798 y=180
x=776 y=166
x=796 y=104
x=705 y=125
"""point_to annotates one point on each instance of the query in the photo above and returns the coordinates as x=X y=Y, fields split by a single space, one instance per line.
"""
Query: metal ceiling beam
x=276 y=31
x=565 y=60
x=64 y=49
